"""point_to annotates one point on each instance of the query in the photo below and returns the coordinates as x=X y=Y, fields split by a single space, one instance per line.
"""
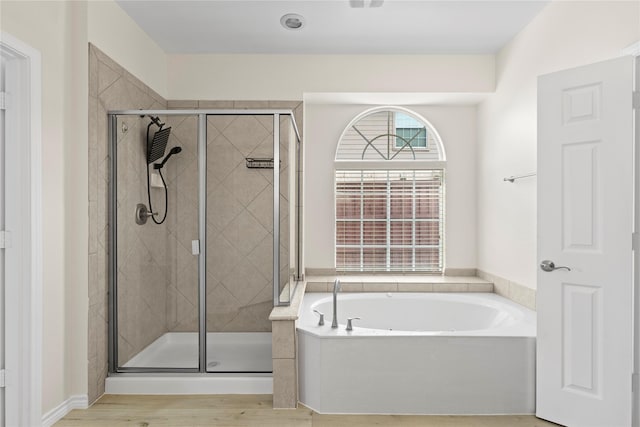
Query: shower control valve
x=349 y=321
x=142 y=213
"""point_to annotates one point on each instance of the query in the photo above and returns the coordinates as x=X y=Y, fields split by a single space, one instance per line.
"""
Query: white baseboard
x=80 y=401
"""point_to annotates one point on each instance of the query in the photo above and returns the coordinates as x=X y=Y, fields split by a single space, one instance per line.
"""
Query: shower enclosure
x=204 y=219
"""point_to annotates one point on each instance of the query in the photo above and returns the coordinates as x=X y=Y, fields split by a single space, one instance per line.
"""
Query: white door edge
x=636 y=253
x=634 y=50
x=26 y=63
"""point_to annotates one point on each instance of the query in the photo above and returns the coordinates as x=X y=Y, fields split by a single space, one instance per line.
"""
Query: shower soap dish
x=256 y=163
x=156 y=181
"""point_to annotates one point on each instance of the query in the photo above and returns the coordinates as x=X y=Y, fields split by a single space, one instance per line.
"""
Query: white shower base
x=240 y=363
x=226 y=352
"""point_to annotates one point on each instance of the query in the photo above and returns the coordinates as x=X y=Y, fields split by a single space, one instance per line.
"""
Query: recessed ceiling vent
x=358 y=4
x=292 y=21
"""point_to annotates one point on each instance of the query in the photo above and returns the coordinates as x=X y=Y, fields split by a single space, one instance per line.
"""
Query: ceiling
x=332 y=26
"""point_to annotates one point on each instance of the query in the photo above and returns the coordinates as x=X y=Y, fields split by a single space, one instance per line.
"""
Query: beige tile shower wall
x=239 y=219
x=112 y=87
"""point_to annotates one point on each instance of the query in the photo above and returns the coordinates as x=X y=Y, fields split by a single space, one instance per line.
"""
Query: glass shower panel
x=287 y=145
x=239 y=242
x=157 y=275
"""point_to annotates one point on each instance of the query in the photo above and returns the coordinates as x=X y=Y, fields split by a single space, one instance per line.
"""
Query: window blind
x=390 y=220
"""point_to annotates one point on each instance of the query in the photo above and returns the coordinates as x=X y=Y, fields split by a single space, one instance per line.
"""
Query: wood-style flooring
x=254 y=410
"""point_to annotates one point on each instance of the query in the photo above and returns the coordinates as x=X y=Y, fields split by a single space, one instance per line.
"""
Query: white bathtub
x=417 y=353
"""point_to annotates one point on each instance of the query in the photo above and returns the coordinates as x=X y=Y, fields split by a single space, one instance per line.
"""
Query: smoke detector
x=292 y=21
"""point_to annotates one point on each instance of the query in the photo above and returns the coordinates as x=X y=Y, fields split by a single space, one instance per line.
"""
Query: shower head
x=157 y=145
x=174 y=150
x=155 y=120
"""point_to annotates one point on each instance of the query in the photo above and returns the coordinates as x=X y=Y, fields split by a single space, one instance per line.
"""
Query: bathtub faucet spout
x=336 y=289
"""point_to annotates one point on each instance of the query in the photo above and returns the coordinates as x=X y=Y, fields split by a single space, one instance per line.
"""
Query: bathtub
x=417 y=353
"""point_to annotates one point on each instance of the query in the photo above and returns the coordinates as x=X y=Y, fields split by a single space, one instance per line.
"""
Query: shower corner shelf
x=259 y=163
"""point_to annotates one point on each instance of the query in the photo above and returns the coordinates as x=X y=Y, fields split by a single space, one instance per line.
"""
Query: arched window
x=389 y=193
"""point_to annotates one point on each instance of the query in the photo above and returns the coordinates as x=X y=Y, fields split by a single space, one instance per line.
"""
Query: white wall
x=324 y=124
x=563 y=35
x=61 y=30
x=292 y=77
x=288 y=77
x=76 y=196
x=57 y=29
x=118 y=36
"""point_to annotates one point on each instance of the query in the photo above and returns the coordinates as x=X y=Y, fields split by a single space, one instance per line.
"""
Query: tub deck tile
x=415 y=287
x=317 y=287
x=450 y=287
x=392 y=283
x=380 y=287
x=480 y=287
x=348 y=286
x=400 y=284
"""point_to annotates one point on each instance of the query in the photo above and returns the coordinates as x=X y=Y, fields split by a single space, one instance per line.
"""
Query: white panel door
x=585 y=222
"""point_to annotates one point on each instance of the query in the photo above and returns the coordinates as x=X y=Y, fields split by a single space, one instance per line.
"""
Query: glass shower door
x=157 y=272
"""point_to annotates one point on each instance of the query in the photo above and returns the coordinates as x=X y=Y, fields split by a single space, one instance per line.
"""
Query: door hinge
x=195 y=247
x=2 y=378
x=3 y=100
x=5 y=239
x=636 y=100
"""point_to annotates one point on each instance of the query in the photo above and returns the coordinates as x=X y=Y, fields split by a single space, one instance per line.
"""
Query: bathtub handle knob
x=321 y=320
x=349 y=325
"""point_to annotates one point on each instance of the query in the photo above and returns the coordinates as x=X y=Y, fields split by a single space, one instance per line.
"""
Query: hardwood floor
x=254 y=410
